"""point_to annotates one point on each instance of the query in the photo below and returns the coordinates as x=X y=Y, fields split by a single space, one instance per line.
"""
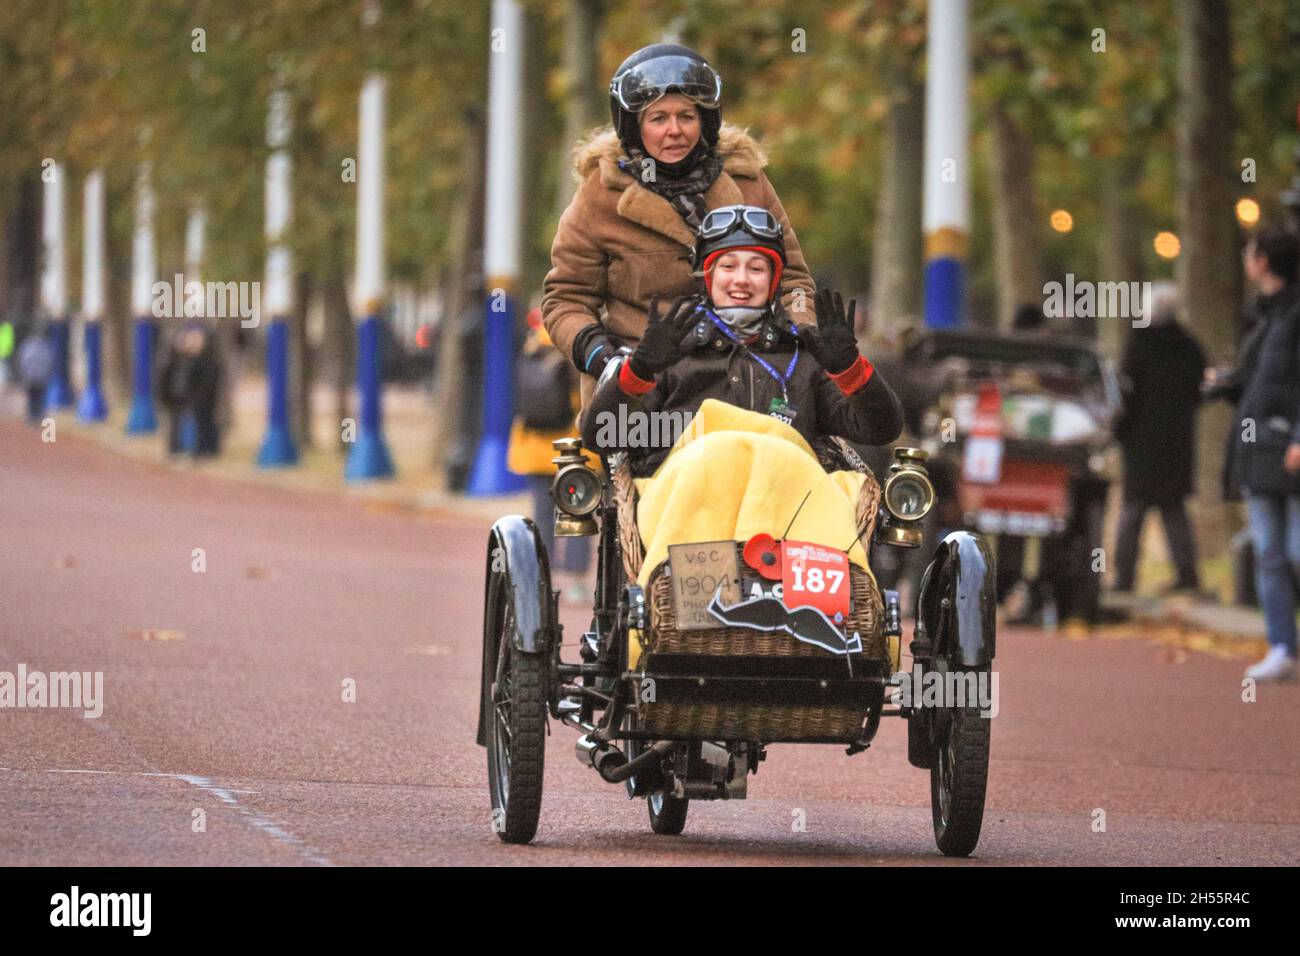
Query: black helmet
x=739 y=227
x=654 y=71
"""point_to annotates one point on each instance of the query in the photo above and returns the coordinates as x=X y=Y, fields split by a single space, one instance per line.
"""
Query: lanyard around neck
x=780 y=379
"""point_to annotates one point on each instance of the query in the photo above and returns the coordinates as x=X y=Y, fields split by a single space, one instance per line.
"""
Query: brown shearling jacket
x=618 y=244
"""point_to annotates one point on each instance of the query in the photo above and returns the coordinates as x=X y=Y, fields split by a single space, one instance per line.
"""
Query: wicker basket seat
x=746 y=647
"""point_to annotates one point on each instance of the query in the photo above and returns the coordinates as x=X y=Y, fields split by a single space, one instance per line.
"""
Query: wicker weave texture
x=732 y=721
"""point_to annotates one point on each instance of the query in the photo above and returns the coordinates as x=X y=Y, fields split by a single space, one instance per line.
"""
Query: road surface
x=226 y=735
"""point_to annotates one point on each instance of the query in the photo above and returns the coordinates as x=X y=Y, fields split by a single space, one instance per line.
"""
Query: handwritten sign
x=698 y=570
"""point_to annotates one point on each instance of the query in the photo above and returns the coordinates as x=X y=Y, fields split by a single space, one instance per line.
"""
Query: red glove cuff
x=853 y=377
x=632 y=383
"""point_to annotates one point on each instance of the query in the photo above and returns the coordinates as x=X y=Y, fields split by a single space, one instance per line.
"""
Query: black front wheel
x=667 y=813
x=515 y=708
x=959 y=770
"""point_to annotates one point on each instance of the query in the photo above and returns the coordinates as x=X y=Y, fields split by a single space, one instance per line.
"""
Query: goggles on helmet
x=725 y=219
x=639 y=86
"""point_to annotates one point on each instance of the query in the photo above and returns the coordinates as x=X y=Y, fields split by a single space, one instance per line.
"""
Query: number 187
x=816 y=580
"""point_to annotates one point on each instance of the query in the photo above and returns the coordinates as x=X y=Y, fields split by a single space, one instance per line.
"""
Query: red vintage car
x=1019 y=429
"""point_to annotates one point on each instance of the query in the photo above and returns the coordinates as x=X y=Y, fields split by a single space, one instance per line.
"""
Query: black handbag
x=543 y=390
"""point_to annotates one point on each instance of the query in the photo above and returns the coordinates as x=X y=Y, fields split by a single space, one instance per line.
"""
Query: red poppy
x=762 y=554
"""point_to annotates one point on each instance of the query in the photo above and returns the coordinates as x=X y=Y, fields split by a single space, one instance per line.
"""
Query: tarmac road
x=224 y=693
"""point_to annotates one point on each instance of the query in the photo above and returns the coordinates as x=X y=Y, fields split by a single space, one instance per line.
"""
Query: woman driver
x=628 y=234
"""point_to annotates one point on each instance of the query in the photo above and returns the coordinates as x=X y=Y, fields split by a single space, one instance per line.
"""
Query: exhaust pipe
x=612 y=764
x=606 y=759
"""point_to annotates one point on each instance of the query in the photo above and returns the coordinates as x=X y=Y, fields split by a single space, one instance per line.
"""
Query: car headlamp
x=575 y=489
x=907 y=496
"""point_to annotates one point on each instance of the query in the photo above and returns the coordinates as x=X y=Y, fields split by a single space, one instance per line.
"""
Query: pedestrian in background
x=190 y=385
x=1265 y=444
x=205 y=395
x=547 y=395
x=1161 y=374
x=6 y=350
x=35 y=368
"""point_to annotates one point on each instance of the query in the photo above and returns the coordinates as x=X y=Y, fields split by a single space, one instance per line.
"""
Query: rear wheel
x=959 y=771
x=515 y=709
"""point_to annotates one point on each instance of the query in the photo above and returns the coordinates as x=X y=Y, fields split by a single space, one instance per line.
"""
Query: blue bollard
x=58 y=393
x=92 y=407
x=141 y=420
x=489 y=475
x=278 y=449
x=943 y=293
x=369 y=458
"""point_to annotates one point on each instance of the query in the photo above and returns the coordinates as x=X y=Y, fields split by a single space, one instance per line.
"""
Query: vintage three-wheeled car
x=1019 y=427
x=727 y=647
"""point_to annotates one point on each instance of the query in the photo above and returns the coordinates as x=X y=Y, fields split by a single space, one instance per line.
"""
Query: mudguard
x=963 y=571
x=516 y=554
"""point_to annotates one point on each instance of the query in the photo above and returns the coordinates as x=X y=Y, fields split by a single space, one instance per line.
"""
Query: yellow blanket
x=736 y=473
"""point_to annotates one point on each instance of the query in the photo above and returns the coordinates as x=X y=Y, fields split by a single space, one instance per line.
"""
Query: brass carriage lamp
x=575 y=489
x=908 y=497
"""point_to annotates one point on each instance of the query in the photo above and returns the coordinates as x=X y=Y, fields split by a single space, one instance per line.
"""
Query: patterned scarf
x=683 y=183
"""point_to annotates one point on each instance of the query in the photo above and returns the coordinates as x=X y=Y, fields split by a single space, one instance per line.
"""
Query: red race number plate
x=814 y=575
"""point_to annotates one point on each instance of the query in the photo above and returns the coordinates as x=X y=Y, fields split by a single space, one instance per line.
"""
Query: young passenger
x=735 y=343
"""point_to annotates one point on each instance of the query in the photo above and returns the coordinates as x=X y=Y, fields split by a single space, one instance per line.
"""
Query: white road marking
x=254 y=819
x=226 y=796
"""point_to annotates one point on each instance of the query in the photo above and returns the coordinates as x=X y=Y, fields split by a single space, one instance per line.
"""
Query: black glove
x=832 y=343
x=661 y=346
x=593 y=349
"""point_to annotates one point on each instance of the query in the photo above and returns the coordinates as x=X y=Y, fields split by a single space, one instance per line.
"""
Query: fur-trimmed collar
x=740 y=152
x=742 y=157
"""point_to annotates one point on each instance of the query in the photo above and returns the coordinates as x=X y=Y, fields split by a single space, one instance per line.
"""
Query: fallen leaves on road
x=1178 y=639
x=1173 y=655
x=430 y=650
x=157 y=634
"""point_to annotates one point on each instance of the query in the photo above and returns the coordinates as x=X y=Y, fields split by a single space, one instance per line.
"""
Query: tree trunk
x=118 y=320
x=340 y=341
x=301 y=365
x=1120 y=251
x=583 y=88
x=532 y=268
x=22 y=254
x=463 y=290
x=1016 y=233
x=896 y=260
x=1209 y=267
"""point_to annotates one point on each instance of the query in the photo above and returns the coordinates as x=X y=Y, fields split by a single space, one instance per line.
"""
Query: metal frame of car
x=955 y=629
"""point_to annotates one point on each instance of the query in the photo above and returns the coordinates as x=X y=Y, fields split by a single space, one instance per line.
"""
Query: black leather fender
x=963 y=571
x=516 y=558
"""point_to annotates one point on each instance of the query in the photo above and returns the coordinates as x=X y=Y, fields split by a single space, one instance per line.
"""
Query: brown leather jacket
x=718 y=368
